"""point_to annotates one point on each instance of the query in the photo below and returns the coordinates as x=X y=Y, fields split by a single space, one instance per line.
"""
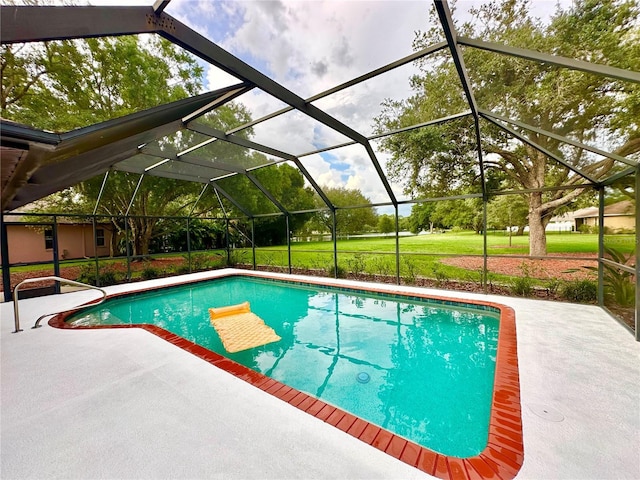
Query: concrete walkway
x=126 y=404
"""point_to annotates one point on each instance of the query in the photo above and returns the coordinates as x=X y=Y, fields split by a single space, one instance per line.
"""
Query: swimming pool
x=422 y=369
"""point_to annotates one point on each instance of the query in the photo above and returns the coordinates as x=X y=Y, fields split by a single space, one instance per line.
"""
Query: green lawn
x=420 y=255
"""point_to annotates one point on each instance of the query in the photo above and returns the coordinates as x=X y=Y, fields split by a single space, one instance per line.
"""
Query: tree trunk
x=537 y=234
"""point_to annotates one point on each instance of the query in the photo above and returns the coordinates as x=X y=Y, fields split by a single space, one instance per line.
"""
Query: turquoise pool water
x=421 y=369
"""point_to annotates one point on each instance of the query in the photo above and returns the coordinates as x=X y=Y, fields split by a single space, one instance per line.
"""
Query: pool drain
x=546 y=412
x=363 y=377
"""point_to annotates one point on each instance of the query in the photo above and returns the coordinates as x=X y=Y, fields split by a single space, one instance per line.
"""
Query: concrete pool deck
x=123 y=403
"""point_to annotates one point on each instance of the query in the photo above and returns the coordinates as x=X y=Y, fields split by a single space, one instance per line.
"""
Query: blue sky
x=310 y=46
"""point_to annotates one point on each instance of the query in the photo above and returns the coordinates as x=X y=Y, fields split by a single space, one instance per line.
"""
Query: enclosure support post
x=104 y=182
x=189 y=243
x=600 y=246
x=485 y=259
x=397 y=246
x=335 y=244
x=56 y=252
x=288 y=242
x=226 y=239
x=4 y=253
x=128 y=249
x=95 y=249
x=637 y=189
x=253 y=240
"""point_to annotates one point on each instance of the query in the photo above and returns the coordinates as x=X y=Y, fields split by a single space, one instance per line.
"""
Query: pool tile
x=427 y=461
x=411 y=453
x=346 y=422
x=325 y=412
x=442 y=469
x=306 y=403
x=287 y=397
x=369 y=433
x=478 y=468
x=506 y=461
x=457 y=470
x=357 y=428
x=298 y=399
x=382 y=440
x=396 y=446
x=273 y=390
x=335 y=417
x=315 y=408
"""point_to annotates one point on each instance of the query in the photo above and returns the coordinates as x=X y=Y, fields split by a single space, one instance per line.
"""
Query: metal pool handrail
x=58 y=279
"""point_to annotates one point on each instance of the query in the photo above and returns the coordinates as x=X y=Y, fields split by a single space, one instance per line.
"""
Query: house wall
x=626 y=222
x=27 y=243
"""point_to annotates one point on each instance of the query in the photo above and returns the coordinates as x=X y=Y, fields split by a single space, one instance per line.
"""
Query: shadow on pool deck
x=127 y=404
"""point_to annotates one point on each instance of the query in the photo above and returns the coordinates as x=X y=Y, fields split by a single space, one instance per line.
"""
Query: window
x=100 y=237
x=48 y=239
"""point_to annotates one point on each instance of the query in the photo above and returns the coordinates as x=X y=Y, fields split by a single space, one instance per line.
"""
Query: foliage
x=410 y=270
x=107 y=275
x=441 y=160
x=439 y=274
x=348 y=220
x=507 y=211
x=357 y=264
x=579 y=291
x=619 y=285
x=340 y=272
x=92 y=80
x=386 y=224
x=149 y=272
x=523 y=285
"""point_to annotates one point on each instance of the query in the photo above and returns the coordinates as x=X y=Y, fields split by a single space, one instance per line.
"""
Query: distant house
x=34 y=243
x=618 y=217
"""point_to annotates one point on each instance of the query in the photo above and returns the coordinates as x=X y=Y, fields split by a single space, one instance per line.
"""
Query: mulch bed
x=536 y=268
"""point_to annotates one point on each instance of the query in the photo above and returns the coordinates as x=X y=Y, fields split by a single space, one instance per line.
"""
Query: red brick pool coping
x=501 y=459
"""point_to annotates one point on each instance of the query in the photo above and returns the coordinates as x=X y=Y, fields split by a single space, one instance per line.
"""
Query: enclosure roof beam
x=450 y=34
x=561 y=138
x=614 y=178
x=392 y=132
x=192 y=160
x=442 y=8
x=266 y=193
x=367 y=76
x=237 y=140
x=541 y=149
x=42 y=23
x=243 y=142
x=219 y=166
x=160 y=5
x=221 y=190
x=204 y=188
x=596 y=69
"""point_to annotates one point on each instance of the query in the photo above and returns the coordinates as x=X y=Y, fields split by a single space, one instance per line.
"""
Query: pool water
x=421 y=369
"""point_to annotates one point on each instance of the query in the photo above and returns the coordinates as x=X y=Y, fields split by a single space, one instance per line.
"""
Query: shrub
x=107 y=275
x=580 y=291
x=236 y=257
x=523 y=285
x=409 y=271
x=381 y=265
x=149 y=272
x=357 y=264
x=439 y=274
x=200 y=261
x=331 y=271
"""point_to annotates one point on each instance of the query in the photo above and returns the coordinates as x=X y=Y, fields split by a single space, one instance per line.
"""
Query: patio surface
x=126 y=404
